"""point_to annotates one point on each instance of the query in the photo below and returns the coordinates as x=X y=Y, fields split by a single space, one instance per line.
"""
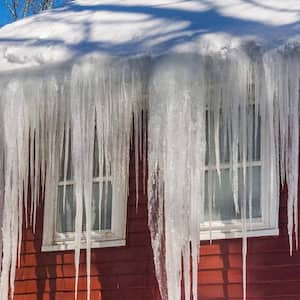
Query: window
x=221 y=219
x=108 y=218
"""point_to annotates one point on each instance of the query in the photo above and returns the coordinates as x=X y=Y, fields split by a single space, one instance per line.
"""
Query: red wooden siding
x=127 y=273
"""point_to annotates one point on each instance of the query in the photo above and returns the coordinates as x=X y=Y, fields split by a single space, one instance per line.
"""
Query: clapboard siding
x=128 y=272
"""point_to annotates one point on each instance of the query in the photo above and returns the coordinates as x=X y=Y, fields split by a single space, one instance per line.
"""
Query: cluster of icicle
x=196 y=106
x=199 y=108
x=38 y=113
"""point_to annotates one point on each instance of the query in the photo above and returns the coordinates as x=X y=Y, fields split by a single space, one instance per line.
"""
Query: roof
x=133 y=28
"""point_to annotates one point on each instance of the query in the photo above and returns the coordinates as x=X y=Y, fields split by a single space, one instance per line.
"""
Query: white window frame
x=116 y=237
x=267 y=225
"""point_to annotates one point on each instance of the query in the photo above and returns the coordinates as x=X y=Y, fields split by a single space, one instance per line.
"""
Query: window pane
x=224 y=141
x=223 y=209
x=225 y=135
x=100 y=215
x=68 y=164
x=96 y=157
x=96 y=161
x=65 y=215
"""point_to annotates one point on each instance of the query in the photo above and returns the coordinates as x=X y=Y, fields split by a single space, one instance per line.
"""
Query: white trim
x=236 y=233
x=232 y=229
x=232 y=224
x=116 y=237
x=95 y=179
x=268 y=223
x=69 y=245
x=251 y=163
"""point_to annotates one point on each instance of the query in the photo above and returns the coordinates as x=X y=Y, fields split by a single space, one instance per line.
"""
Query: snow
x=130 y=28
x=192 y=68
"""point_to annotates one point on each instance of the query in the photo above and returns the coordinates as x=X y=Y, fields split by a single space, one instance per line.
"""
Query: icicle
x=66 y=159
x=293 y=140
x=282 y=73
x=37 y=116
x=231 y=81
x=190 y=102
x=82 y=120
x=112 y=95
x=177 y=166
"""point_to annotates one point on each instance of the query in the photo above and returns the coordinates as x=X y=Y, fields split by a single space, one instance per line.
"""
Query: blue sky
x=6 y=18
x=4 y=15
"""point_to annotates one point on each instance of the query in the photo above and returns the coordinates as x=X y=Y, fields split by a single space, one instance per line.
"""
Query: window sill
x=237 y=233
x=68 y=245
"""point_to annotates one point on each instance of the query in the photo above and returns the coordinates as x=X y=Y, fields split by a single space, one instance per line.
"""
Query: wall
x=127 y=273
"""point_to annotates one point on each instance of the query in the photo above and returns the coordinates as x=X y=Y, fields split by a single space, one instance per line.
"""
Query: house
x=132 y=134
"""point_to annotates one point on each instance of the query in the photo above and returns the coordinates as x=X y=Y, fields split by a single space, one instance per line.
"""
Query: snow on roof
x=131 y=28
